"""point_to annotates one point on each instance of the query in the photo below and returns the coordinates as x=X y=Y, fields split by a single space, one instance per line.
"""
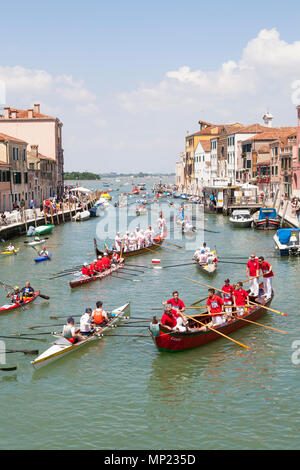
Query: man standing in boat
x=215 y=307
x=252 y=270
x=178 y=308
x=268 y=274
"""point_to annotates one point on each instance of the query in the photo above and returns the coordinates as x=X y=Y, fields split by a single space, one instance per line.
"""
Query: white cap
x=85 y=264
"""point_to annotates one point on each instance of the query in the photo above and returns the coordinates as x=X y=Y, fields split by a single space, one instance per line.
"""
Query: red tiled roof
x=274 y=133
x=205 y=145
x=23 y=114
x=4 y=137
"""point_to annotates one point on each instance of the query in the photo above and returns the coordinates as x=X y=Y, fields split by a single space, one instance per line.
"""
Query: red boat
x=8 y=307
x=80 y=280
x=172 y=341
x=135 y=190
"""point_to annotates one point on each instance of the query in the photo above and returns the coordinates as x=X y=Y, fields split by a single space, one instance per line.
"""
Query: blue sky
x=125 y=59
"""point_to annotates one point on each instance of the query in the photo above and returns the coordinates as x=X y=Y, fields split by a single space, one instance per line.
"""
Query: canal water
x=121 y=393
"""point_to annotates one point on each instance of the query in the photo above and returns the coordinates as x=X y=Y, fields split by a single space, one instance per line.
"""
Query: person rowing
x=215 y=307
x=69 y=331
x=10 y=247
x=99 y=316
x=16 y=296
x=227 y=290
x=106 y=262
x=178 y=308
x=86 y=328
x=27 y=291
x=99 y=264
x=240 y=296
x=93 y=267
x=118 y=241
x=85 y=270
x=44 y=252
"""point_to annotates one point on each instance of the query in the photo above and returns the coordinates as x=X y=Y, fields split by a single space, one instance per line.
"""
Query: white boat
x=80 y=216
x=287 y=241
x=61 y=347
x=241 y=218
x=36 y=242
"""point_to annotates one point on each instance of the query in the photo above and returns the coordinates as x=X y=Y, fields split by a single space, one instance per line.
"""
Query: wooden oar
x=43 y=296
x=43 y=326
x=219 y=332
x=17 y=337
x=128 y=274
x=9 y=368
x=168 y=248
x=24 y=351
x=268 y=308
x=255 y=323
x=138 y=266
x=177 y=265
x=178 y=246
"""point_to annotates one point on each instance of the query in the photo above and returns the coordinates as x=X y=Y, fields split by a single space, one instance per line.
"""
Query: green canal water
x=121 y=393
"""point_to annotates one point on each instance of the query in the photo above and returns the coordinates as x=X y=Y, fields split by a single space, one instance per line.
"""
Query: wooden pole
x=57 y=209
x=70 y=211
x=34 y=211
x=63 y=211
x=45 y=215
x=51 y=212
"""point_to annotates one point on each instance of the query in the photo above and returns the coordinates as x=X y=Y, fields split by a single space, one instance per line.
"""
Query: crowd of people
x=205 y=256
x=101 y=264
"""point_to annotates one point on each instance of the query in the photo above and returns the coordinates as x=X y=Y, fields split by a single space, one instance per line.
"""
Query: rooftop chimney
x=30 y=113
x=14 y=114
x=36 y=108
x=34 y=150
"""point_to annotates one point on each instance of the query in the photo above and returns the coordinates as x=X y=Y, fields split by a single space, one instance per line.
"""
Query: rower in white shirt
x=132 y=242
x=126 y=242
x=141 y=239
x=10 y=247
x=205 y=248
x=85 y=323
x=118 y=241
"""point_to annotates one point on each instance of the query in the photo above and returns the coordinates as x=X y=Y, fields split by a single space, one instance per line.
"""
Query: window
x=26 y=178
x=276 y=151
x=17 y=177
x=24 y=155
x=248 y=163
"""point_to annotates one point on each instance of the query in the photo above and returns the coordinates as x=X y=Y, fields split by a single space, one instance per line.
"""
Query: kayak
x=14 y=252
x=35 y=242
x=6 y=308
x=42 y=258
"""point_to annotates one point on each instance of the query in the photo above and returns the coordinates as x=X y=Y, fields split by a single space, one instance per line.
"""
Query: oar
x=178 y=246
x=43 y=296
x=43 y=326
x=126 y=278
x=24 y=351
x=64 y=316
x=128 y=274
x=176 y=265
x=138 y=266
x=268 y=308
x=168 y=248
x=8 y=368
x=62 y=275
x=230 y=262
x=219 y=332
x=16 y=337
x=135 y=270
x=187 y=308
x=68 y=270
x=255 y=323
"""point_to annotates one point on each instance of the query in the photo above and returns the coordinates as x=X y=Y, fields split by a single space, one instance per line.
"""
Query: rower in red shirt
x=227 y=296
x=99 y=264
x=240 y=296
x=85 y=270
x=106 y=261
x=178 y=308
x=268 y=274
x=215 y=306
x=93 y=267
x=252 y=270
x=168 y=319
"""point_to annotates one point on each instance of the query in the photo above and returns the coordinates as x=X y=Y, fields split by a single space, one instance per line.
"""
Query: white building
x=202 y=164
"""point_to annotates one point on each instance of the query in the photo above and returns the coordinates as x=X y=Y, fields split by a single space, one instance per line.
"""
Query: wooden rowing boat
x=126 y=254
x=172 y=341
x=28 y=300
x=83 y=279
x=210 y=268
x=62 y=347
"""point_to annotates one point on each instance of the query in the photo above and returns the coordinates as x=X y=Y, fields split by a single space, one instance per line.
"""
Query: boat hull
x=43 y=229
x=209 y=269
x=127 y=254
x=86 y=280
x=64 y=348
x=238 y=224
x=271 y=224
x=43 y=258
x=8 y=253
x=174 y=342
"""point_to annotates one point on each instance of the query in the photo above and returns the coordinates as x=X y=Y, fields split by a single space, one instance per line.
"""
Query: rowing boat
x=8 y=307
x=61 y=346
x=42 y=258
x=207 y=268
x=36 y=242
x=83 y=279
x=8 y=252
x=158 y=240
x=173 y=341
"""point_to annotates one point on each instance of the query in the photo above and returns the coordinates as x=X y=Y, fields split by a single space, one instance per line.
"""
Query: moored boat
x=28 y=300
x=241 y=218
x=62 y=347
x=287 y=241
x=81 y=216
x=172 y=341
x=43 y=229
x=81 y=280
x=267 y=219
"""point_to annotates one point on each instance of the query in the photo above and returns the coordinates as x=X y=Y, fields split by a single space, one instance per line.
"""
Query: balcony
x=286 y=172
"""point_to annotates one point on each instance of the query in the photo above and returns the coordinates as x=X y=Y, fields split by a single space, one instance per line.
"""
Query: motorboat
x=287 y=241
x=241 y=218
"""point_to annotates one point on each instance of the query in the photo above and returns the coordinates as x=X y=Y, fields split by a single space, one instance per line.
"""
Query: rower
x=227 y=296
x=252 y=270
x=100 y=317
x=106 y=262
x=118 y=241
x=27 y=291
x=205 y=248
x=69 y=331
x=85 y=323
x=85 y=270
x=215 y=307
x=44 y=252
x=115 y=258
x=176 y=303
x=268 y=274
x=203 y=257
x=93 y=268
x=10 y=247
x=168 y=319
x=239 y=299
x=16 y=296
x=99 y=264
x=132 y=245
